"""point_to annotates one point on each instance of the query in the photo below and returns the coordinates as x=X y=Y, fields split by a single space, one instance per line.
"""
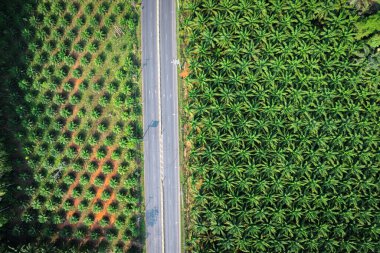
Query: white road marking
x=160 y=124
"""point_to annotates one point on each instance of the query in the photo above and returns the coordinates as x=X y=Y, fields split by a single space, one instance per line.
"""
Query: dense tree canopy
x=284 y=128
x=5 y=169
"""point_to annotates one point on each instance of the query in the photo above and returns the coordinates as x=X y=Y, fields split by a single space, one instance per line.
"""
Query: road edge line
x=160 y=134
x=177 y=165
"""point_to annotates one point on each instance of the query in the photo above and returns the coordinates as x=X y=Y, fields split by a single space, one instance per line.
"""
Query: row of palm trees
x=283 y=128
x=80 y=122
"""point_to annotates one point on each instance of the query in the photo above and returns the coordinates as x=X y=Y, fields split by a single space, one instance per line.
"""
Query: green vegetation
x=282 y=131
x=37 y=248
x=368 y=24
x=5 y=170
x=363 y=6
x=369 y=28
x=72 y=85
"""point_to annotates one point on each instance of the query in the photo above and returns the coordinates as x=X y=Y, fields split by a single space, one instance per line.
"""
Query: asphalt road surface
x=152 y=178
x=160 y=102
x=169 y=115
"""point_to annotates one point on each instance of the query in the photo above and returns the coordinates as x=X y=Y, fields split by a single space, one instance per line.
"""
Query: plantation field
x=282 y=130
x=81 y=121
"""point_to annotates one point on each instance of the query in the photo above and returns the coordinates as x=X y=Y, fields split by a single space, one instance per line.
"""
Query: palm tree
x=260 y=245
x=362 y=5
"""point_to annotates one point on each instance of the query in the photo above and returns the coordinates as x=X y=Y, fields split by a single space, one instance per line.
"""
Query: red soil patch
x=186 y=71
x=77 y=82
x=76 y=202
x=101 y=161
x=75 y=66
x=99 y=192
x=100 y=215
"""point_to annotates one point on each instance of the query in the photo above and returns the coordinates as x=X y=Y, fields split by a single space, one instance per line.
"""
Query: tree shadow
x=13 y=125
x=26 y=224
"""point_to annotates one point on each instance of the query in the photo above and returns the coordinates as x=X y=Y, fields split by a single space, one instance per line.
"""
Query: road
x=161 y=140
x=151 y=113
x=169 y=103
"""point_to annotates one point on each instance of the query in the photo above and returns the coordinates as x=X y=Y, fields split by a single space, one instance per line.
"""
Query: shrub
x=65 y=113
x=99 y=35
x=68 y=205
x=83 y=205
x=86 y=152
x=58 y=126
x=98 y=207
x=69 y=180
x=69 y=60
x=93 y=141
x=95 y=235
x=74 y=219
x=107 y=168
x=123 y=169
x=77 y=73
x=81 y=21
x=120 y=222
x=84 y=180
x=59 y=194
x=79 y=48
x=71 y=152
x=97 y=86
x=79 y=139
x=81 y=113
x=68 y=87
x=76 y=192
x=91 y=74
x=113 y=208
x=92 y=166
x=117 y=129
x=58 y=99
x=42 y=218
x=57 y=143
x=50 y=205
x=84 y=61
x=83 y=86
x=116 y=155
x=88 y=9
x=57 y=219
x=92 y=48
x=102 y=127
x=72 y=126
x=75 y=99
x=79 y=234
x=99 y=181
x=95 y=21
x=112 y=87
x=104 y=100
x=101 y=153
x=90 y=194
x=109 y=140
x=89 y=220
x=104 y=221
x=114 y=182
x=99 y=61
x=106 y=195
